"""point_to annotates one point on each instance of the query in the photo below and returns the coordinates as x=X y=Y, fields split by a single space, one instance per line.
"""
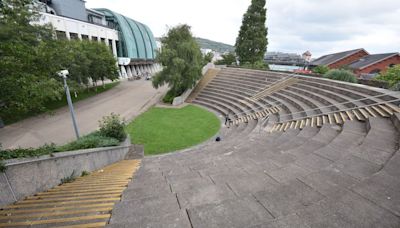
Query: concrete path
x=128 y=99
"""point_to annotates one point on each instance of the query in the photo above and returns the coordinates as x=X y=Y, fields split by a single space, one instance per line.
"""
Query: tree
x=392 y=75
x=181 y=59
x=251 y=44
x=341 y=75
x=30 y=58
x=25 y=79
x=227 y=59
x=321 y=69
x=208 y=58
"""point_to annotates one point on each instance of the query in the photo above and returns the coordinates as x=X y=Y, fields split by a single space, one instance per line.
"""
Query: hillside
x=213 y=45
x=216 y=46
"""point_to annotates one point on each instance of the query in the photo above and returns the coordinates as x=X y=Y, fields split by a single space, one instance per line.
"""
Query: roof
x=332 y=58
x=136 y=38
x=307 y=53
x=370 y=60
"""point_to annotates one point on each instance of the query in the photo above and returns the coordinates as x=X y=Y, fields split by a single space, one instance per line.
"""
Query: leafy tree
x=30 y=57
x=259 y=65
x=208 y=58
x=321 y=69
x=341 y=75
x=227 y=59
x=251 y=44
x=25 y=79
x=181 y=59
x=392 y=75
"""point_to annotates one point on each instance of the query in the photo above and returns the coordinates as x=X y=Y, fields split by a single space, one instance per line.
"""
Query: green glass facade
x=136 y=41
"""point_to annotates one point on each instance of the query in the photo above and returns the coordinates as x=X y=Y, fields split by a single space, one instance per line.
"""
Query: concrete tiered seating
x=309 y=171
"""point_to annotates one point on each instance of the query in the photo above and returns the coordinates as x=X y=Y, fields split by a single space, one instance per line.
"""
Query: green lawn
x=163 y=130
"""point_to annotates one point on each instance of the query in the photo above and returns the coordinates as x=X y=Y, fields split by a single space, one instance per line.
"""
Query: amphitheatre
x=271 y=149
x=300 y=152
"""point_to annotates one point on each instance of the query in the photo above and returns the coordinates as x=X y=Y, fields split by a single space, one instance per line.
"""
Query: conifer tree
x=251 y=44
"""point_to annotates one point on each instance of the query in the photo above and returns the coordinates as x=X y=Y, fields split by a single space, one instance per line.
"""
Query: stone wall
x=28 y=176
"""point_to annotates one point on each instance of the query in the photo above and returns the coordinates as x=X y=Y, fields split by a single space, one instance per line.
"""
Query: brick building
x=340 y=59
x=374 y=64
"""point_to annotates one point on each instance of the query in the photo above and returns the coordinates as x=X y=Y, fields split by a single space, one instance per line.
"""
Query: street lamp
x=63 y=74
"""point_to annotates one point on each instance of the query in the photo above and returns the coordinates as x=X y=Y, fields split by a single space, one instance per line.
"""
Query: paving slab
x=329 y=180
x=356 y=167
x=288 y=199
x=243 y=212
x=289 y=221
x=189 y=184
x=128 y=211
x=176 y=219
x=347 y=209
x=289 y=173
x=382 y=189
x=205 y=195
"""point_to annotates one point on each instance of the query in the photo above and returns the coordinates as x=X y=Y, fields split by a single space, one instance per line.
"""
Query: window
x=392 y=65
x=103 y=40
x=85 y=37
x=61 y=35
x=110 y=44
x=95 y=38
x=73 y=36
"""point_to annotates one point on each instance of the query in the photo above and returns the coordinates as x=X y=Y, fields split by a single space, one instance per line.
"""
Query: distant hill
x=213 y=45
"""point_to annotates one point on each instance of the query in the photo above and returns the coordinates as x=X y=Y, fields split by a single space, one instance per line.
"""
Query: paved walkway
x=128 y=99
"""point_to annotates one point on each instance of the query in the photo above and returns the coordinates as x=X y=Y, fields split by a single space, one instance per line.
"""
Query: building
x=280 y=58
x=340 y=59
x=370 y=65
x=131 y=42
x=307 y=56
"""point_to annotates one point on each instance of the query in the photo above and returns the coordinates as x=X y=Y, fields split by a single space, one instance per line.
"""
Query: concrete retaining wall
x=29 y=176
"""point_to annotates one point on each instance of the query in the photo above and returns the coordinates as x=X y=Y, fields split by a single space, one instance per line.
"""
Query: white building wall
x=69 y=25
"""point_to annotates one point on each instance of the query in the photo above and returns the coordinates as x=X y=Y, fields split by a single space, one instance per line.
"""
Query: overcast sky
x=321 y=26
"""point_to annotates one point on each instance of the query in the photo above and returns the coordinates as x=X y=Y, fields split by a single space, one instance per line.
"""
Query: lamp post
x=63 y=74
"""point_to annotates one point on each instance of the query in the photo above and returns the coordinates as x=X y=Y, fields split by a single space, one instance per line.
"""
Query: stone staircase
x=285 y=82
x=210 y=74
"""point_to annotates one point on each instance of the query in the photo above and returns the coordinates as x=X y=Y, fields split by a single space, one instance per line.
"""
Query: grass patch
x=163 y=130
x=53 y=105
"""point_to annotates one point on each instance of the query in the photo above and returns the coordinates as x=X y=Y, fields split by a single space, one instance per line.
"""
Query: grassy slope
x=162 y=130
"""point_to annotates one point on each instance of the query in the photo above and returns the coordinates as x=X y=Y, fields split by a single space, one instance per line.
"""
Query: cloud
x=321 y=26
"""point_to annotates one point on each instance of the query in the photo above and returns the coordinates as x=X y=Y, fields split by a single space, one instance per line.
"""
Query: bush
x=392 y=75
x=259 y=65
x=169 y=97
x=322 y=69
x=93 y=140
x=28 y=152
x=341 y=75
x=112 y=126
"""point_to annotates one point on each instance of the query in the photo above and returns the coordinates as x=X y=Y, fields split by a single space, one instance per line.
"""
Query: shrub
x=113 y=126
x=85 y=173
x=68 y=179
x=169 y=97
x=341 y=75
x=93 y=140
x=2 y=166
x=321 y=69
x=392 y=75
x=28 y=152
x=259 y=65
